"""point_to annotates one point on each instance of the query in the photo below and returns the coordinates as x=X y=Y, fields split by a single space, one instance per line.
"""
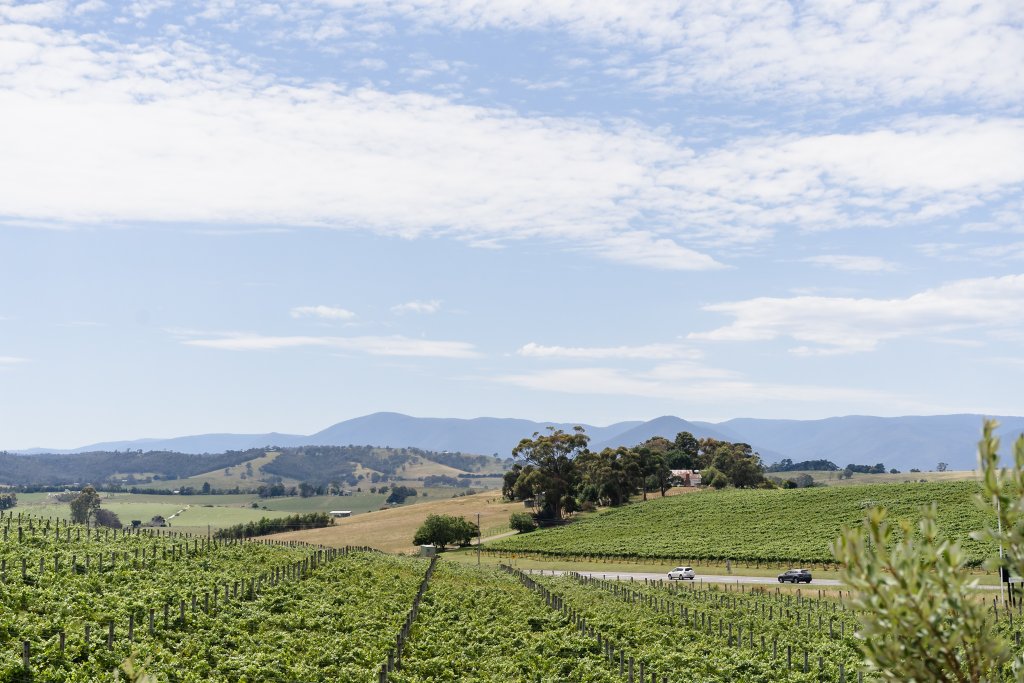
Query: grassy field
x=229 y=477
x=199 y=513
x=758 y=525
x=392 y=530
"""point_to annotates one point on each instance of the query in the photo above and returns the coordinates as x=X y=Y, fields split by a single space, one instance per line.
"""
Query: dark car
x=796 y=576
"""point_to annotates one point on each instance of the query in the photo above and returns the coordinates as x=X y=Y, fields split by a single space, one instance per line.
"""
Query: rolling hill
x=792 y=526
x=902 y=442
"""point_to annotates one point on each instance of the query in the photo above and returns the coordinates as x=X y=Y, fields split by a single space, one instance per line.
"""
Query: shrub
x=106 y=518
x=522 y=522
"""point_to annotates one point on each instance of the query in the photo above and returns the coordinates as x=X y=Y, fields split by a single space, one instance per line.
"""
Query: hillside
x=902 y=442
x=758 y=525
x=343 y=466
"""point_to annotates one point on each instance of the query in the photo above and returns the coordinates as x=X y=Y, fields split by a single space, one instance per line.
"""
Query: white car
x=682 y=573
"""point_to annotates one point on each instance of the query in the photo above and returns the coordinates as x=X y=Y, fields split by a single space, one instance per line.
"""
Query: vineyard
x=79 y=604
x=795 y=525
x=76 y=604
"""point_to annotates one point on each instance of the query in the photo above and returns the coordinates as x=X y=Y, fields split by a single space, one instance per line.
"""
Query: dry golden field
x=392 y=530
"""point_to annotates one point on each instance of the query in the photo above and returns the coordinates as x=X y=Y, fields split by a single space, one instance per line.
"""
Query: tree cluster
x=561 y=475
x=445 y=530
x=433 y=480
x=275 y=525
x=878 y=468
x=399 y=494
x=8 y=500
x=787 y=465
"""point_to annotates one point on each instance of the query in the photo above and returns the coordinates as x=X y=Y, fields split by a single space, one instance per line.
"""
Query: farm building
x=341 y=513
x=687 y=477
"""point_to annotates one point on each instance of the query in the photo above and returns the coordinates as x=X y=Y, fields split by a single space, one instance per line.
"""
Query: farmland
x=197 y=513
x=85 y=601
x=795 y=525
x=79 y=604
x=392 y=530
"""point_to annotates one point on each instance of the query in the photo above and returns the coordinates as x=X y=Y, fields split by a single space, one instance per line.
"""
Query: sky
x=242 y=216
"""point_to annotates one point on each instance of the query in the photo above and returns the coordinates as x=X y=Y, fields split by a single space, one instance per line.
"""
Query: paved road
x=709 y=578
x=701 y=578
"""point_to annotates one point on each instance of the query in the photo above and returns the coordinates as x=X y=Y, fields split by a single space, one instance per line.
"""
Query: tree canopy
x=445 y=530
x=85 y=506
x=561 y=474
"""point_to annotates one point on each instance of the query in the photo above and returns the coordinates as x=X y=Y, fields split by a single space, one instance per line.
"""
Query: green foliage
x=650 y=622
x=107 y=518
x=331 y=622
x=85 y=505
x=787 y=465
x=920 y=621
x=399 y=494
x=522 y=522
x=554 y=474
x=485 y=626
x=8 y=500
x=445 y=530
x=276 y=525
x=769 y=525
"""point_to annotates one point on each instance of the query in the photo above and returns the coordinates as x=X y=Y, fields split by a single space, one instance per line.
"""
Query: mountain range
x=901 y=442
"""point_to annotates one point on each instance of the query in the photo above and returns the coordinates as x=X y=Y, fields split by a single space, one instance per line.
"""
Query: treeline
x=561 y=474
x=268 y=525
x=444 y=480
x=60 y=469
x=866 y=469
x=787 y=465
x=460 y=461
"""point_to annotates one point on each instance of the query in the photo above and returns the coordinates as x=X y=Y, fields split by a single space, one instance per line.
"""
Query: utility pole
x=1002 y=569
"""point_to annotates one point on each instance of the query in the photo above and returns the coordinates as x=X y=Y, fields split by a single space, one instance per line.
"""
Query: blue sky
x=223 y=215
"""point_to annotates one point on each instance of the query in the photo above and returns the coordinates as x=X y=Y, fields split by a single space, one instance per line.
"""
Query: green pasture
x=198 y=512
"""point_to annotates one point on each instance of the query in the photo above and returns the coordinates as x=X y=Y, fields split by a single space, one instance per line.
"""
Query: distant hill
x=901 y=442
x=486 y=435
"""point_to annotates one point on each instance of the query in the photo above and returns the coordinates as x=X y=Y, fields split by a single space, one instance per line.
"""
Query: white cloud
x=33 y=12
x=12 y=360
x=644 y=249
x=90 y=6
x=325 y=312
x=871 y=51
x=141 y=9
x=374 y=346
x=831 y=325
x=425 y=307
x=96 y=133
x=647 y=351
x=856 y=264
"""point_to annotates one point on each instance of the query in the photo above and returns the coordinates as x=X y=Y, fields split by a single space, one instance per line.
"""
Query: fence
x=394 y=658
